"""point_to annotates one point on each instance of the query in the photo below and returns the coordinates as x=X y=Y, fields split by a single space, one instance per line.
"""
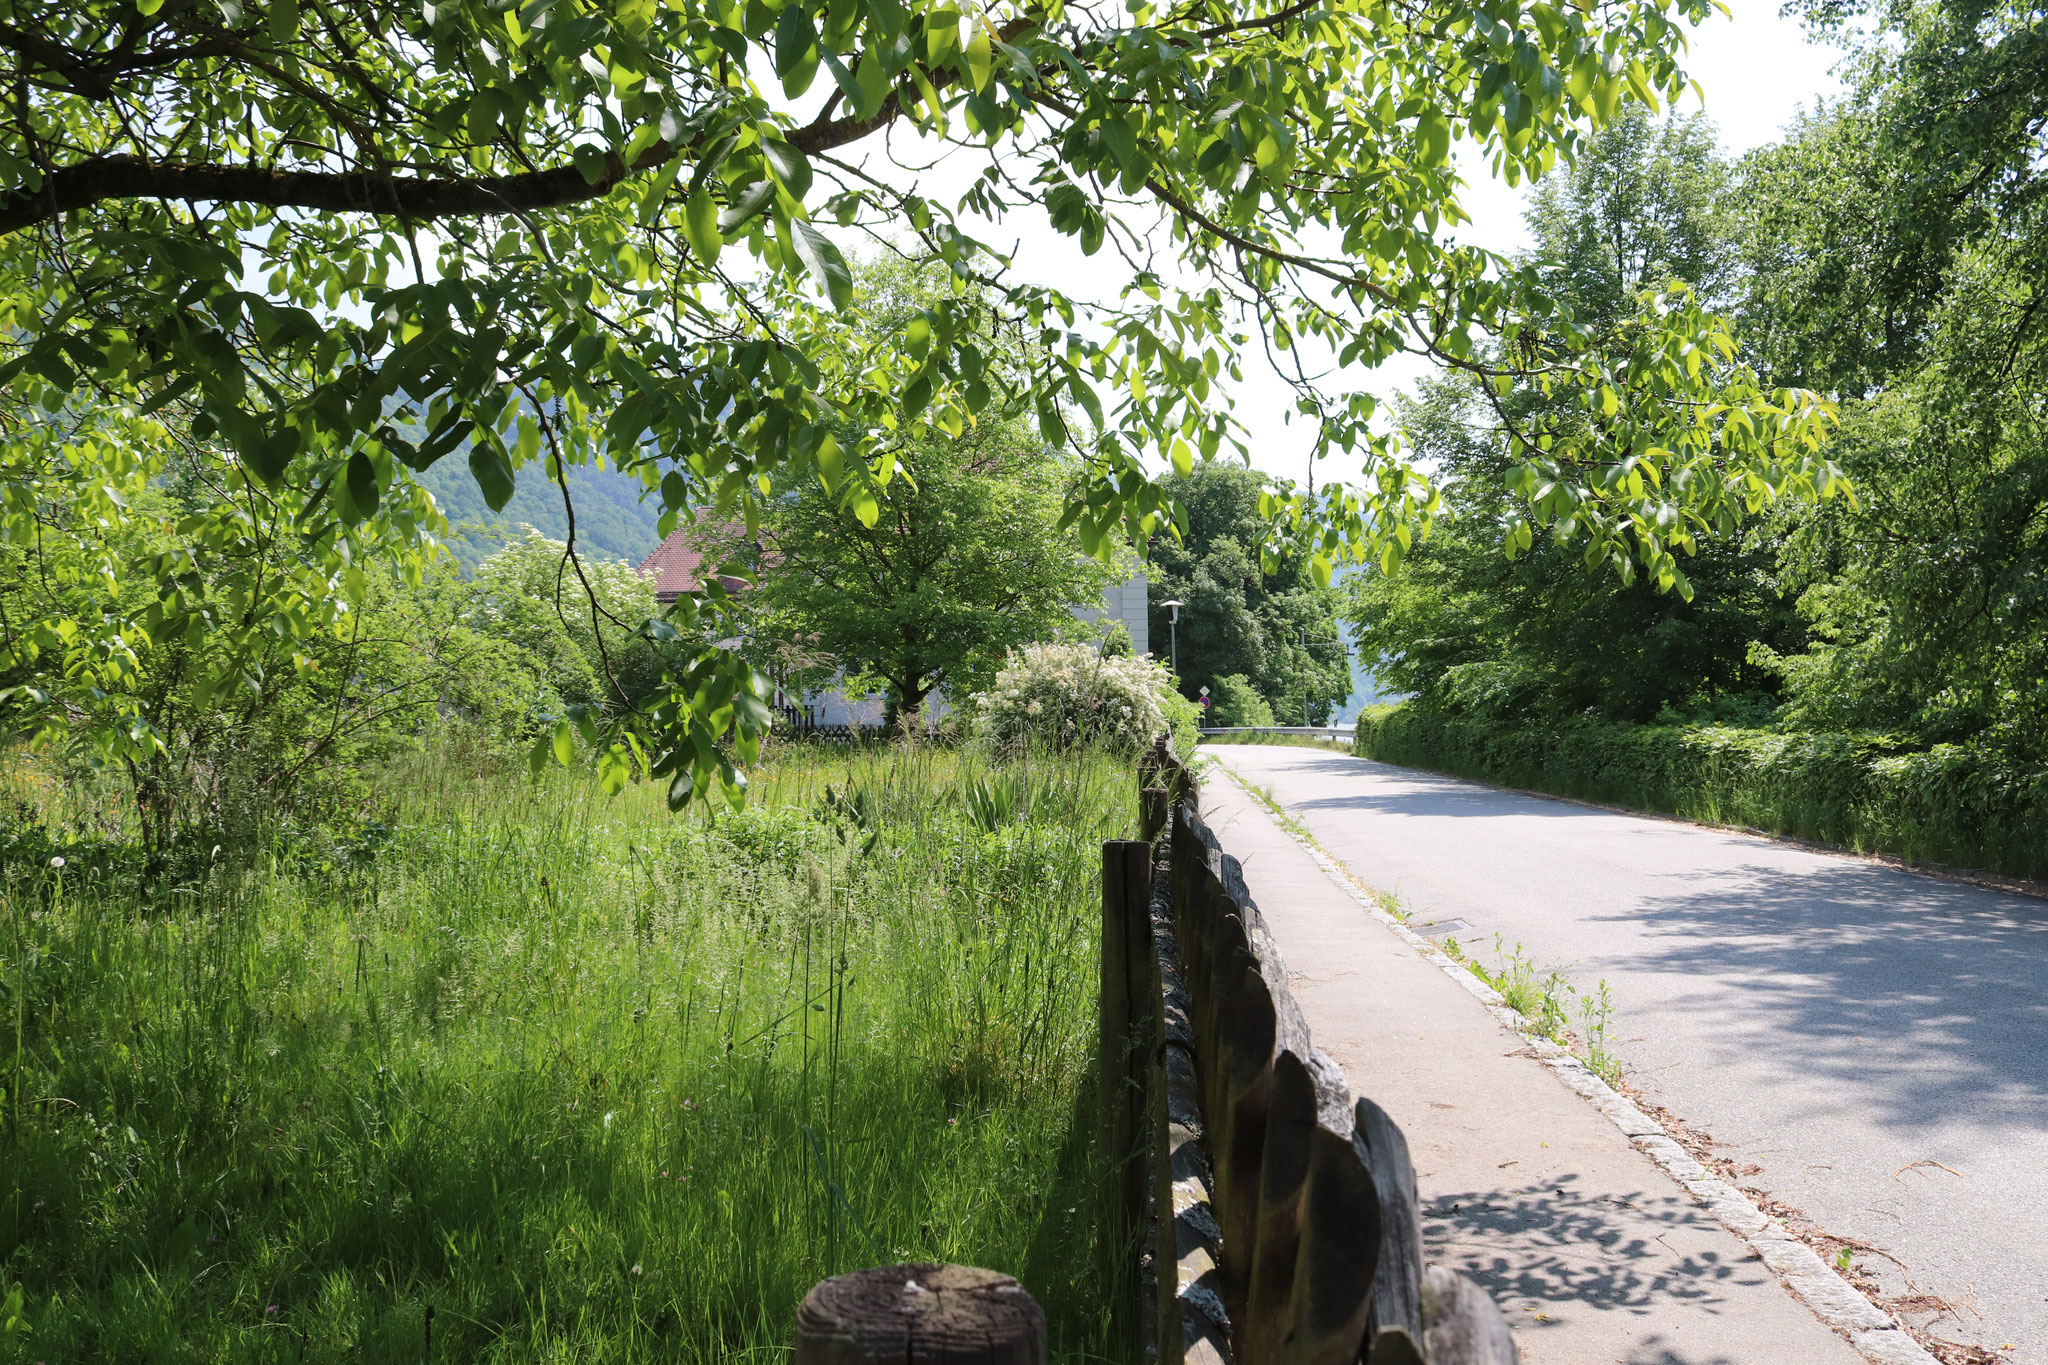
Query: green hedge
x=1952 y=804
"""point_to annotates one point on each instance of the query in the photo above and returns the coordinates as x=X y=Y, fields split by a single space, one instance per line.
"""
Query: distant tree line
x=1255 y=628
x=1891 y=251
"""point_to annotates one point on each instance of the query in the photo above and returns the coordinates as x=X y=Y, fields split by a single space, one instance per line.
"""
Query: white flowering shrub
x=1057 y=696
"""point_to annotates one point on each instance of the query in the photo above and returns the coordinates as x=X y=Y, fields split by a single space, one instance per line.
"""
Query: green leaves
x=978 y=57
x=700 y=226
x=493 y=473
x=941 y=36
x=789 y=166
x=825 y=263
x=1672 y=439
x=1120 y=141
x=751 y=200
x=796 y=49
x=1433 y=132
x=362 y=485
x=269 y=453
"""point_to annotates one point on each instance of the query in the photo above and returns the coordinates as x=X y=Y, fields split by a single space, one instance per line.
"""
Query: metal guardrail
x=1343 y=731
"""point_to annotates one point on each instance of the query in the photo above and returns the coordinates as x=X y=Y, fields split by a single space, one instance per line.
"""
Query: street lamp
x=1173 y=632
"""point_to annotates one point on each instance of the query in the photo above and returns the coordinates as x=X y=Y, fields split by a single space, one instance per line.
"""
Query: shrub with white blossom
x=1058 y=696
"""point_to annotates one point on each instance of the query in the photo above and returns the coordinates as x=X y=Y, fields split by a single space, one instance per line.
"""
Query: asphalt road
x=1873 y=1041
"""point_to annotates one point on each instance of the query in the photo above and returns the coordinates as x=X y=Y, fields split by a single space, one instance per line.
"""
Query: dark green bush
x=1956 y=804
x=1236 y=703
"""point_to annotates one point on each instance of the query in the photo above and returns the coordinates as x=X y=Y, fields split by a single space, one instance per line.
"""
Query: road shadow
x=1418 y=795
x=1408 y=792
x=1543 y=1247
x=1929 y=996
x=1557 y=1244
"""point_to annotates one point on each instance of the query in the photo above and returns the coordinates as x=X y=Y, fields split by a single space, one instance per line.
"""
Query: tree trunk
x=920 y=1315
x=906 y=707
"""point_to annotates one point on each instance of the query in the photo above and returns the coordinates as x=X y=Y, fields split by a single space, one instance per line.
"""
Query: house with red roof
x=676 y=566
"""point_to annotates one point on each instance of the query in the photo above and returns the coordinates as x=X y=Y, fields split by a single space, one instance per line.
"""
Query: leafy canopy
x=965 y=562
x=567 y=232
x=1269 y=624
x=1463 y=629
x=1893 y=248
x=933 y=577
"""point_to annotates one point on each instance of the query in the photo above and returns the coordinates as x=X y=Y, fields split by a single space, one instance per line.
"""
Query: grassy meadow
x=513 y=1071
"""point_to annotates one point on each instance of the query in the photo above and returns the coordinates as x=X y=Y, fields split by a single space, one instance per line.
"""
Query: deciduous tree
x=562 y=231
x=965 y=562
x=1270 y=623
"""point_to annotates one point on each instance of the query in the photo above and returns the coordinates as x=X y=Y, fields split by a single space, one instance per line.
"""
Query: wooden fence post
x=920 y=1315
x=1124 y=1045
x=1309 y=1246
x=1152 y=811
x=1462 y=1323
x=1394 y=1331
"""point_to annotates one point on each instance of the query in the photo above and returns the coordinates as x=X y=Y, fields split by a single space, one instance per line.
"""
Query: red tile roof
x=675 y=563
x=673 y=566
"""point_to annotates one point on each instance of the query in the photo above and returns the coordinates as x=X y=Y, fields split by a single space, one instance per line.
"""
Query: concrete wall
x=1128 y=602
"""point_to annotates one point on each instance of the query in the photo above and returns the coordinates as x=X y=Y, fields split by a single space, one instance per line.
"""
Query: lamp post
x=1173 y=633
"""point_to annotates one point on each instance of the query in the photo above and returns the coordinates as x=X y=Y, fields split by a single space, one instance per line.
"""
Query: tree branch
x=416 y=199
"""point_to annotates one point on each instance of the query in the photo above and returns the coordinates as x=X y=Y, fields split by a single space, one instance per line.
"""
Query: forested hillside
x=611 y=521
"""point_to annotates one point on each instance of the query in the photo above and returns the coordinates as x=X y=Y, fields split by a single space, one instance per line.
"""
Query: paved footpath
x=1594 y=1253
x=1868 y=1044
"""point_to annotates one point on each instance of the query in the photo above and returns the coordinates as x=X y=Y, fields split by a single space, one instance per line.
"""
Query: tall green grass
x=518 y=1073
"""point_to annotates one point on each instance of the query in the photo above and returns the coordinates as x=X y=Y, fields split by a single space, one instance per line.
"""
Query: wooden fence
x=1271 y=1214
x=1265 y=1215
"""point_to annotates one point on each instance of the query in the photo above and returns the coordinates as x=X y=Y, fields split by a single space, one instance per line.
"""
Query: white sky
x=1756 y=69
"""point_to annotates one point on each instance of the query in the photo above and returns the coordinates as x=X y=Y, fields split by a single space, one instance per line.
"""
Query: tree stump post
x=920 y=1315
x=1127 y=1029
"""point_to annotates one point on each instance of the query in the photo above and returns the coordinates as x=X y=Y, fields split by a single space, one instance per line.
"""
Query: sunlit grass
x=517 y=1072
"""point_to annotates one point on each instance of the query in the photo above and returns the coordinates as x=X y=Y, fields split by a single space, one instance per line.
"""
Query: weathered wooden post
x=1462 y=1325
x=1124 y=1048
x=1153 y=810
x=1395 y=1330
x=1159 y=786
x=920 y=1315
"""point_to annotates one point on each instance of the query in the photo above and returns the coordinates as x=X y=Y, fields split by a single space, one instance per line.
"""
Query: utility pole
x=1305 y=644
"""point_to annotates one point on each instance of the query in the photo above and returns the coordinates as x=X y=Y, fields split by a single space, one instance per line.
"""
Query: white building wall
x=1130 y=603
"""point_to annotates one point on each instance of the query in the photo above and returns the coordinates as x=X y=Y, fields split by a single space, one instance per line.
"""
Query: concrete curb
x=1833 y=1300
